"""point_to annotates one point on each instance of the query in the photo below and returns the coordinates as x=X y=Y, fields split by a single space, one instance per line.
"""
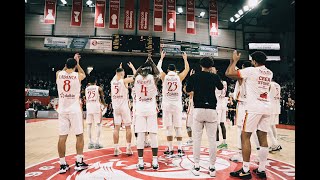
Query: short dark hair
x=71 y=63
x=259 y=56
x=206 y=62
x=247 y=64
x=92 y=79
x=119 y=70
x=172 y=67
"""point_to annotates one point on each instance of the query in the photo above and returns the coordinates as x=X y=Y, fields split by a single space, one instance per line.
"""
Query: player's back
x=146 y=91
x=93 y=104
x=68 y=85
x=257 y=85
x=220 y=95
x=172 y=92
x=119 y=93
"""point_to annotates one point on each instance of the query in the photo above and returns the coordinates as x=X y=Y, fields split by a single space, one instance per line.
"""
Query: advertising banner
x=56 y=42
x=100 y=44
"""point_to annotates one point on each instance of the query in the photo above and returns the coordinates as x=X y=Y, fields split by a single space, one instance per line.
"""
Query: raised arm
x=159 y=66
x=231 y=71
x=184 y=73
x=81 y=72
x=130 y=79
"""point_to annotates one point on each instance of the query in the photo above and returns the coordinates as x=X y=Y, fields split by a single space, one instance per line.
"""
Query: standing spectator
x=27 y=104
x=291 y=107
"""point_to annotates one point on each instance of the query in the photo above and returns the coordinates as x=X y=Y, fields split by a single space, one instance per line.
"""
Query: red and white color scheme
x=171 y=16
x=99 y=18
x=114 y=14
x=213 y=18
x=76 y=13
x=50 y=11
x=129 y=15
x=144 y=15
x=191 y=21
x=158 y=16
x=102 y=164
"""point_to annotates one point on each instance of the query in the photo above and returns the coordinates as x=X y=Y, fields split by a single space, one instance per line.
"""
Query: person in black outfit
x=203 y=85
x=232 y=104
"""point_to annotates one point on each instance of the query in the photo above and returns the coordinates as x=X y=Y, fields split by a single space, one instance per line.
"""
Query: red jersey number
x=66 y=85
x=144 y=90
x=170 y=86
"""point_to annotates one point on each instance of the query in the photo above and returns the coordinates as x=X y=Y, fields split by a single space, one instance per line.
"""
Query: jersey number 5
x=117 y=89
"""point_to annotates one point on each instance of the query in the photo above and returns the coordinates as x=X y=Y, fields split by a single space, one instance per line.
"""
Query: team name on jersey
x=141 y=99
x=117 y=96
x=67 y=77
x=67 y=95
x=144 y=81
x=172 y=94
x=264 y=80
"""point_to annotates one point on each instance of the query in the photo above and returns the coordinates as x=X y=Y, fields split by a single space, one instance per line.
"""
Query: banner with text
x=170 y=48
x=192 y=49
x=76 y=13
x=100 y=12
x=213 y=18
x=50 y=11
x=78 y=43
x=100 y=44
x=129 y=15
x=114 y=14
x=208 y=50
x=158 y=15
x=171 y=16
x=191 y=24
x=144 y=15
x=36 y=92
x=55 y=42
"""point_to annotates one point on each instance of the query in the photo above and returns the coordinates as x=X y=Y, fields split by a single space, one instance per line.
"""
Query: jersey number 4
x=144 y=90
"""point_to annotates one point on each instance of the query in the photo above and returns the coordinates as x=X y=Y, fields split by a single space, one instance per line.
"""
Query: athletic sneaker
x=129 y=152
x=155 y=166
x=98 y=146
x=276 y=148
x=195 y=171
x=63 y=168
x=117 y=151
x=80 y=166
x=188 y=143
x=212 y=172
x=260 y=174
x=167 y=152
x=223 y=146
x=140 y=167
x=90 y=146
x=241 y=174
x=180 y=152
x=236 y=158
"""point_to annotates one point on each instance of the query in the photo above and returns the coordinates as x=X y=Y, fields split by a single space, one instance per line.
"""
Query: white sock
x=245 y=166
x=128 y=145
x=116 y=146
x=154 y=159
x=79 y=158
x=63 y=161
x=89 y=132
x=140 y=160
x=196 y=165
x=263 y=155
x=98 y=129
x=224 y=141
x=271 y=136
x=170 y=145
x=179 y=144
x=212 y=166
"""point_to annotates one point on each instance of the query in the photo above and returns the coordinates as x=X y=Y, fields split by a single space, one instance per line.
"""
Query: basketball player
x=94 y=98
x=203 y=85
x=120 y=104
x=276 y=109
x=70 y=114
x=172 y=101
x=222 y=113
x=145 y=82
x=258 y=109
x=189 y=114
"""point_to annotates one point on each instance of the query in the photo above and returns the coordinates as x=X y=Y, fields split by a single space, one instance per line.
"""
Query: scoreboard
x=137 y=44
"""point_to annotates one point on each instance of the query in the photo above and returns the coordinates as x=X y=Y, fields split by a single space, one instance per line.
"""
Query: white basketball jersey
x=69 y=92
x=93 y=99
x=146 y=91
x=172 y=92
x=275 y=97
x=134 y=98
x=258 y=89
x=240 y=92
x=119 y=93
x=220 y=95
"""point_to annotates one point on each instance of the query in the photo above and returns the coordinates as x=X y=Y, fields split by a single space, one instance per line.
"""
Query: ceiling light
x=240 y=12
x=64 y=2
x=245 y=8
x=180 y=10
x=202 y=13
x=232 y=19
x=237 y=15
x=253 y=3
x=89 y=2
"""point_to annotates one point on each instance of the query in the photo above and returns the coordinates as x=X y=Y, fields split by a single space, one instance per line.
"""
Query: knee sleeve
x=189 y=129
x=178 y=131
x=154 y=140
x=169 y=130
x=140 y=140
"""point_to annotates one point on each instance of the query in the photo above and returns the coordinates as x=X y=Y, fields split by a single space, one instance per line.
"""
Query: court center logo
x=104 y=165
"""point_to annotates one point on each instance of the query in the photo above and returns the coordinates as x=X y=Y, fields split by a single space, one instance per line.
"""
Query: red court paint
x=103 y=165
